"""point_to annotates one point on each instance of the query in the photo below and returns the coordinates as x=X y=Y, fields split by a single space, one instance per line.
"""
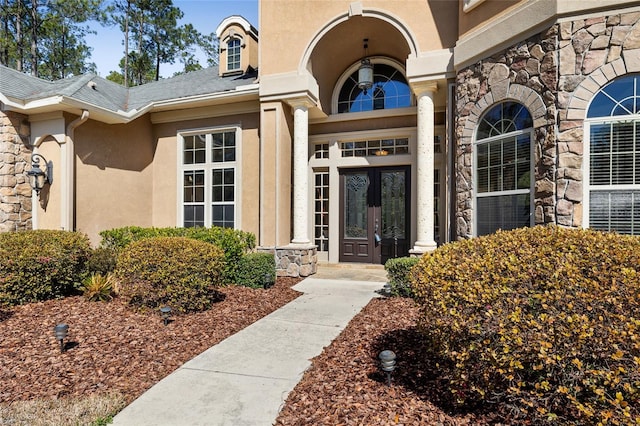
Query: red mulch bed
x=112 y=348
x=344 y=385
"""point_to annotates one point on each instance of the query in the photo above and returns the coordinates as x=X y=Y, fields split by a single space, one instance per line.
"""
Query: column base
x=294 y=260
x=422 y=247
x=298 y=242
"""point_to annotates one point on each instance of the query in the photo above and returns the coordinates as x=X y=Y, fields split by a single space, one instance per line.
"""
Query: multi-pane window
x=613 y=122
x=321 y=210
x=321 y=150
x=209 y=179
x=233 y=54
x=390 y=90
x=376 y=147
x=503 y=169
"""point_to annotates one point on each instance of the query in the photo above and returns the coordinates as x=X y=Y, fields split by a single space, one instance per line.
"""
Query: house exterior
x=350 y=131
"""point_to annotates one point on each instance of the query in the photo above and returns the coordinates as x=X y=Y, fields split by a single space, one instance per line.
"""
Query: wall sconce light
x=365 y=72
x=387 y=363
x=60 y=332
x=38 y=177
x=165 y=312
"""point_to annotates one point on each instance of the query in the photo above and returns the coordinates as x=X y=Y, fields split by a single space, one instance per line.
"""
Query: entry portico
x=364 y=159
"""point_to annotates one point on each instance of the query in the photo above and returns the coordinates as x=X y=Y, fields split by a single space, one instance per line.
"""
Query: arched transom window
x=390 y=90
x=503 y=168
x=613 y=129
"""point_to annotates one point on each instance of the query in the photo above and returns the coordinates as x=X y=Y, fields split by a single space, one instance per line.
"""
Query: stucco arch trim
x=511 y=92
x=383 y=15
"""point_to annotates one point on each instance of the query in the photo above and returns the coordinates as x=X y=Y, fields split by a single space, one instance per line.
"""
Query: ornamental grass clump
x=543 y=322
x=182 y=273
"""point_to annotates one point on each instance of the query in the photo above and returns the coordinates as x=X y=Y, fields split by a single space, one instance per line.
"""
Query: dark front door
x=374 y=214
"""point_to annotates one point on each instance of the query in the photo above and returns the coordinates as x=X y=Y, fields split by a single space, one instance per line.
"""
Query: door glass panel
x=355 y=205
x=393 y=204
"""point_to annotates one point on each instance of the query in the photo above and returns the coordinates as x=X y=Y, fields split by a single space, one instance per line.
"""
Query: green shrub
x=544 y=322
x=176 y=271
x=102 y=261
x=41 y=265
x=233 y=242
x=256 y=270
x=398 y=272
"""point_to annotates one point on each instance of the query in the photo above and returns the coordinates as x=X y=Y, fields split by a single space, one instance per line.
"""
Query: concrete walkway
x=245 y=379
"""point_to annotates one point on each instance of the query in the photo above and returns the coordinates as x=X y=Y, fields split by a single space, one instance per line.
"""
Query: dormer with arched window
x=238 y=46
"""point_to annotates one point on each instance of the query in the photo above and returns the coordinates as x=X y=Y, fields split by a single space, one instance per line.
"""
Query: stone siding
x=525 y=73
x=592 y=53
x=15 y=192
x=563 y=67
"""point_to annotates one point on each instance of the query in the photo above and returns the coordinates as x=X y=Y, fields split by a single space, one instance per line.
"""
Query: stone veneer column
x=300 y=170
x=425 y=241
x=15 y=192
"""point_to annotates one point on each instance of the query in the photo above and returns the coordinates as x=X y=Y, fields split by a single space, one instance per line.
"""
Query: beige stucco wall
x=288 y=27
x=49 y=209
x=483 y=13
x=166 y=163
x=114 y=175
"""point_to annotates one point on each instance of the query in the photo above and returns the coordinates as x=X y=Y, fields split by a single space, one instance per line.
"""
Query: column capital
x=423 y=87
x=304 y=101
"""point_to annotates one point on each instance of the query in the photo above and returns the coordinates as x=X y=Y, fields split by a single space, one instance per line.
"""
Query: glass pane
x=216 y=193
x=355 y=205
x=393 y=206
x=217 y=177
x=503 y=212
x=229 y=193
x=228 y=176
x=193 y=216
x=615 y=211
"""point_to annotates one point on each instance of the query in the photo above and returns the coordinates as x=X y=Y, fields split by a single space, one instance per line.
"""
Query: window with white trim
x=209 y=179
x=503 y=169
x=613 y=133
x=233 y=54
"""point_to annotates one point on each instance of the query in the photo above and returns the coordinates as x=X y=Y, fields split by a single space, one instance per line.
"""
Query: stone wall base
x=294 y=260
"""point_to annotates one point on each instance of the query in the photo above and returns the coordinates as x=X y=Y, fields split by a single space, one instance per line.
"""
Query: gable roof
x=113 y=103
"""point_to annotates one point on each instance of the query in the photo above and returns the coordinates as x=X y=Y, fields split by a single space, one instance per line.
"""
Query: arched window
x=613 y=134
x=390 y=90
x=233 y=54
x=503 y=168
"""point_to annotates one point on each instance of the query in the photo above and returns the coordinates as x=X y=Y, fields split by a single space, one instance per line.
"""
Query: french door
x=374 y=214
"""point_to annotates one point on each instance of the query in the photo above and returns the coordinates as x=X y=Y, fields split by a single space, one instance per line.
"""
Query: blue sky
x=205 y=15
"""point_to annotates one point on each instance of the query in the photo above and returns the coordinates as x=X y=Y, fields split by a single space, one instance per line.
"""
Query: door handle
x=376 y=236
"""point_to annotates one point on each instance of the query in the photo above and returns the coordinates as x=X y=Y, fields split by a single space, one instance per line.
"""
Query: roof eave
x=64 y=103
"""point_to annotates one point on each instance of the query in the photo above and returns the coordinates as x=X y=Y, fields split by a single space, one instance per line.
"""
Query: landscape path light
x=165 y=311
x=387 y=363
x=60 y=332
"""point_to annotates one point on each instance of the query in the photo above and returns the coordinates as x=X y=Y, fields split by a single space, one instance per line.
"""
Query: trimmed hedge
x=102 y=261
x=544 y=322
x=41 y=265
x=233 y=242
x=257 y=270
x=398 y=271
x=175 y=271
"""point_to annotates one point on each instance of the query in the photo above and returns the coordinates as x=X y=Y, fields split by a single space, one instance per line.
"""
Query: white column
x=300 y=171
x=425 y=168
